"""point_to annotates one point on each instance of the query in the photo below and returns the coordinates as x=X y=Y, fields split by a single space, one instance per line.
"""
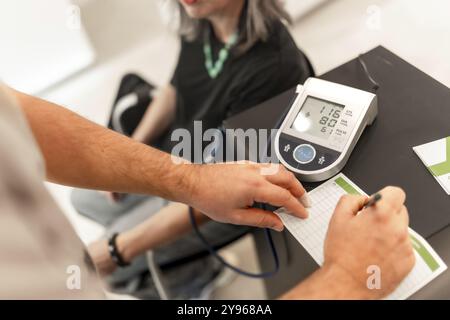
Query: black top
x=265 y=70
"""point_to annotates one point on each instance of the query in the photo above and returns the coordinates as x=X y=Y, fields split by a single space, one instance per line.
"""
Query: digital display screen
x=318 y=117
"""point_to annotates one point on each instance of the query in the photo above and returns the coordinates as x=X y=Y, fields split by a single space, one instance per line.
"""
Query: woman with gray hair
x=234 y=55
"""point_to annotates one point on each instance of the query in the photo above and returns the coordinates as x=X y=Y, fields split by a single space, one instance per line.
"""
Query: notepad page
x=428 y=266
x=311 y=234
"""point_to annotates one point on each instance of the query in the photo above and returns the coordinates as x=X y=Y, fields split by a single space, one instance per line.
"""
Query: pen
x=374 y=199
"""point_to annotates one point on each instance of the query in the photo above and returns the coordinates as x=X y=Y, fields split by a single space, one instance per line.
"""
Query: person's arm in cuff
x=169 y=224
x=158 y=117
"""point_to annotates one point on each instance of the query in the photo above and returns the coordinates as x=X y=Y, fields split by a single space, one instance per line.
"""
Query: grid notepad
x=311 y=234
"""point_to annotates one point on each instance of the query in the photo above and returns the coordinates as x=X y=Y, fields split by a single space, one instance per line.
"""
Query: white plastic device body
x=315 y=156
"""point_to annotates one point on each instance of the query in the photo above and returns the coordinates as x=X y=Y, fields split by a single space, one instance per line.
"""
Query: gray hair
x=260 y=15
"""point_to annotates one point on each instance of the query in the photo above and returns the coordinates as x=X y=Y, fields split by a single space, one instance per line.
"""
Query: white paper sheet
x=436 y=157
x=311 y=234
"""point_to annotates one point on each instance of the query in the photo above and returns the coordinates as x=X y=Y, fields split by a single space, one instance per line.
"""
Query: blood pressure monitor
x=322 y=127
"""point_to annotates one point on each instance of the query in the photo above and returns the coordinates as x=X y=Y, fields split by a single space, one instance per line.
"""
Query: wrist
x=125 y=246
x=100 y=255
x=186 y=183
x=341 y=284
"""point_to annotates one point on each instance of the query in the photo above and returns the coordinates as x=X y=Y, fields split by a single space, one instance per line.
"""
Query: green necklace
x=215 y=68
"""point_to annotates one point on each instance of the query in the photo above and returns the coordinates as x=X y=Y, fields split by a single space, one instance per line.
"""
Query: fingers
x=258 y=218
x=399 y=224
x=392 y=200
x=280 y=197
x=349 y=205
x=287 y=180
x=403 y=216
x=405 y=257
x=391 y=210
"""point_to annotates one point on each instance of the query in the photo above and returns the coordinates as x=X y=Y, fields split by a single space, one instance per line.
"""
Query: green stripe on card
x=341 y=182
x=425 y=254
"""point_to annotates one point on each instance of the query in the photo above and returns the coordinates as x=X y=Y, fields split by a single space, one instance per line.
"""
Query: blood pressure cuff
x=131 y=102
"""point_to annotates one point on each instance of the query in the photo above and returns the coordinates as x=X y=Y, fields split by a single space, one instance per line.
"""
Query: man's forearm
x=81 y=153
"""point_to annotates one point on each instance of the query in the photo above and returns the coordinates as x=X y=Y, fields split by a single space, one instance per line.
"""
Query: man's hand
x=378 y=236
x=226 y=192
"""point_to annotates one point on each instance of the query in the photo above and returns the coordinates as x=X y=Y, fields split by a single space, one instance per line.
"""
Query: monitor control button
x=304 y=153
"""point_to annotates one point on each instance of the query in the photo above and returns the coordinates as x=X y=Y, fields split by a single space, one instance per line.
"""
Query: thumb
x=349 y=205
x=259 y=218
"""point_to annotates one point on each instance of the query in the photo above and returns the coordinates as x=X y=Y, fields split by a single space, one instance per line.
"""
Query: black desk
x=413 y=109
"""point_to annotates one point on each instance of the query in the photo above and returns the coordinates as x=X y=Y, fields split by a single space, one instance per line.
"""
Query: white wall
x=298 y=9
x=41 y=43
x=416 y=30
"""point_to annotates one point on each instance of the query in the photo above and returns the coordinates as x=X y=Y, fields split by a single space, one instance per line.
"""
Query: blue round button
x=304 y=153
